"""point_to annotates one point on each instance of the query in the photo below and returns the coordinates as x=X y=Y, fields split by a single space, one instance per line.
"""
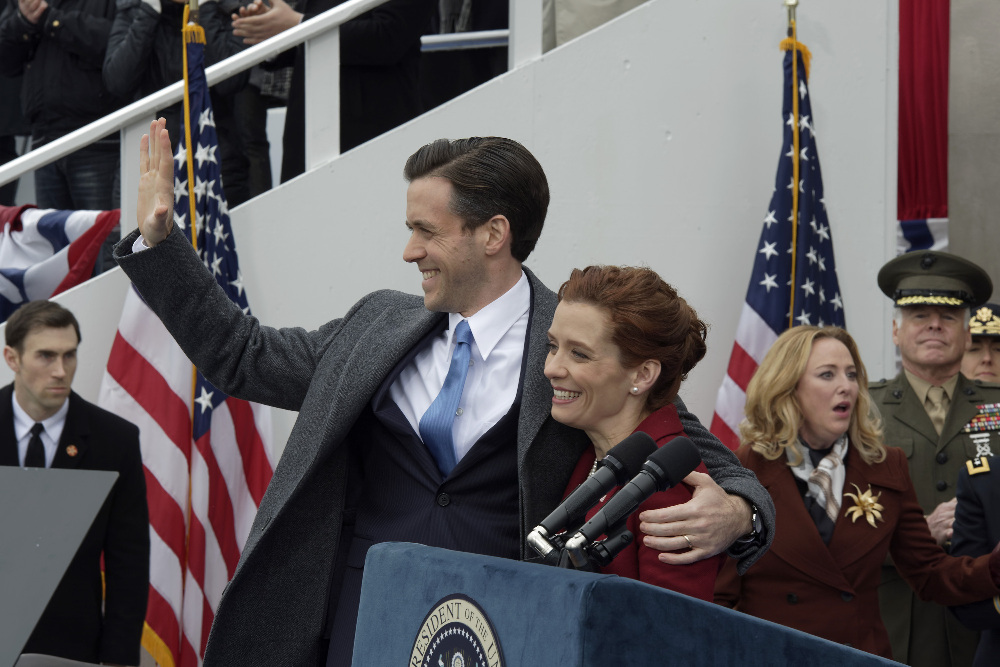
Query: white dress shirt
x=494 y=368
x=50 y=436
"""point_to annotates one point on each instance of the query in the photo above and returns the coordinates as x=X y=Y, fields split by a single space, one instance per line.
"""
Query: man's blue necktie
x=437 y=422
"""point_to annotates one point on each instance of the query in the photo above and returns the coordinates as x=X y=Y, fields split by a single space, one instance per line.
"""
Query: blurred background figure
x=11 y=128
x=982 y=357
x=447 y=74
x=977 y=531
x=59 y=49
x=843 y=500
x=145 y=55
x=379 y=68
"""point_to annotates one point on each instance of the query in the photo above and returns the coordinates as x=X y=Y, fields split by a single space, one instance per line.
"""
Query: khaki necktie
x=937 y=407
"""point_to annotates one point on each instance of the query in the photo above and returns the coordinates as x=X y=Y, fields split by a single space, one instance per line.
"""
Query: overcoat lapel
x=534 y=409
x=797 y=540
x=8 y=442
x=853 y=540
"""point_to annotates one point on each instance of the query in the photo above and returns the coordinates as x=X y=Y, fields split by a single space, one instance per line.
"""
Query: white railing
x=321 y=36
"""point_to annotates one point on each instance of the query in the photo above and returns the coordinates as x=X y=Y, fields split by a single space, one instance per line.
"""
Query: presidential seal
x=456 y=633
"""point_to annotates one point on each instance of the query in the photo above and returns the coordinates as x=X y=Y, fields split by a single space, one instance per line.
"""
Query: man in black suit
x=44 y=424
x=977 y=532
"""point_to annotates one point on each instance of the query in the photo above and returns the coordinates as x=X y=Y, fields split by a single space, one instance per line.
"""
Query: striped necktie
x=436 y=424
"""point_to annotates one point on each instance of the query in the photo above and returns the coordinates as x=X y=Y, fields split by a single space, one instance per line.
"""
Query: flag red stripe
x=741 y=367
x=256 y=467
x=162 y=620
x=83 y=251
x=145 y=384
x=220 y=506
x=196 y=551
x=206 y=624
x=188 y=657
x=721 y=430
x=165 y=515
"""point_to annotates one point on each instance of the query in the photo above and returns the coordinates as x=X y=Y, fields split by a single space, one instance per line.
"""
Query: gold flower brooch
x=865 y=504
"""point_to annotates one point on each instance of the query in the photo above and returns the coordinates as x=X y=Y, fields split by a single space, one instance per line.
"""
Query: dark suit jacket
x=924 y=634
x=274 y=608
x=977 y=531
x=830 y=590
x=73 y=625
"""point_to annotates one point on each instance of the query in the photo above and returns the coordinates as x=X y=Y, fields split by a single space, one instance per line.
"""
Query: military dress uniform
x=925 y=634
x=935 y=462
x=977 y=531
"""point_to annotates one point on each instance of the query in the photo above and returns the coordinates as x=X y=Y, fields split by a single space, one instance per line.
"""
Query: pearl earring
x=635 y=390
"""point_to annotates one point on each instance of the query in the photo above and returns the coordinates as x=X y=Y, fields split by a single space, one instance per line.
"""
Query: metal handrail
x=455 y=41
x=173 y=93
x=124 y=118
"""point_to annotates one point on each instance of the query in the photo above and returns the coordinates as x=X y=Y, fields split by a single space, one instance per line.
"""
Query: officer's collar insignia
x=978 y=465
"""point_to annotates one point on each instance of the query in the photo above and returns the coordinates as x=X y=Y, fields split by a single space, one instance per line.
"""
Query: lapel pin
x=72 y=450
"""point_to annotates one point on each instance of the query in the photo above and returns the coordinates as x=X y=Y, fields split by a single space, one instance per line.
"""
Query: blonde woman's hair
x=773 y=414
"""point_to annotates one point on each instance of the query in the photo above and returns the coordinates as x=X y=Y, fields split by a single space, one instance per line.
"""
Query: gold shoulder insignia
x=978 y=465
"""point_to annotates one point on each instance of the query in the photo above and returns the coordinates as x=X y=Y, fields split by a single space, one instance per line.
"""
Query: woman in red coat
x=620 y=343
x=843 y=501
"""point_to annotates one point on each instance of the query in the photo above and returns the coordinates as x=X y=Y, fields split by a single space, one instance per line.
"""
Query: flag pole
x=791 y=6
x=191 y=33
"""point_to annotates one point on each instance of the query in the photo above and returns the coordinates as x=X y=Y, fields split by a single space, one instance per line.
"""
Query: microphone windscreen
x=629 y=455
x=673 y=461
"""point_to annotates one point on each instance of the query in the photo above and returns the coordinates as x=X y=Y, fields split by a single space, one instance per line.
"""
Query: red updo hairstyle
x=648 y=321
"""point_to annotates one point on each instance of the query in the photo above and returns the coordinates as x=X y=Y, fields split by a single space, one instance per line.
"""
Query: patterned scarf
x=825 y=481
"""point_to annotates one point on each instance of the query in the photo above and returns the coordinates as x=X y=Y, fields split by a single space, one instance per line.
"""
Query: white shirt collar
x=491 y=323
x=23 y=423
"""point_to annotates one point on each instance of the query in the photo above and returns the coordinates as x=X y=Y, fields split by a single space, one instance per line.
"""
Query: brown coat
x=831 y=591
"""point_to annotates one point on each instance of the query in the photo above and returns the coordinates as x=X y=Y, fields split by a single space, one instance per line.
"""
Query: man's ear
x=498 y=230
x=12 y=358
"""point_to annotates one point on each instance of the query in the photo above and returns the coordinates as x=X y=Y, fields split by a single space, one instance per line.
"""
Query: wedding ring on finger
x=688 y=540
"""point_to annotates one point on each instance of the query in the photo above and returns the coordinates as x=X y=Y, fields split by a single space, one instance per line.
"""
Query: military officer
x=982 y=358
x=927 y=411
x=977 y=531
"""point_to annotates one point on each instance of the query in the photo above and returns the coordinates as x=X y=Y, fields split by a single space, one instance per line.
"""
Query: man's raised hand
x=155 y=209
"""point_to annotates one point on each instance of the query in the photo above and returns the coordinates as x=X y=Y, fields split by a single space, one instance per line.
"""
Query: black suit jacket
x=977 y=531
x=73 y=625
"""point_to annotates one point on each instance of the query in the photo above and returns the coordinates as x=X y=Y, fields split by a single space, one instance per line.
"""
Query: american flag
x=774 y=301
x=45 y=251
x=207 y=456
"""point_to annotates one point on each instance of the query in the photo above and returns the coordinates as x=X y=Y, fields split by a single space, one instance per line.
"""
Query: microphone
x=667 y=466
x=621 y=463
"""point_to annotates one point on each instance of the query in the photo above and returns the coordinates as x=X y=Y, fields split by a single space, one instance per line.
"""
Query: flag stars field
x=785 y=288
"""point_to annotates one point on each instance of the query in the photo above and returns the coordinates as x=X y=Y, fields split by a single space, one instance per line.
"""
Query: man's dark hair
x=38 y=315
x=490 y=176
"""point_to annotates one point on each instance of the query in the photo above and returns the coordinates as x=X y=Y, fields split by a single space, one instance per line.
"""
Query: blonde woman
x=843 y=501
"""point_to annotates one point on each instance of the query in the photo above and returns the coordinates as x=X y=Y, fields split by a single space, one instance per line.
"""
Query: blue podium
x=429 y=607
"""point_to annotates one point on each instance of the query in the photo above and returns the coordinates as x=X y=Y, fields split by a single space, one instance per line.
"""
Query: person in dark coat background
x=58 y=47
x=91 y=617
x=379 y=68
x=977 y=530
x=11 y=125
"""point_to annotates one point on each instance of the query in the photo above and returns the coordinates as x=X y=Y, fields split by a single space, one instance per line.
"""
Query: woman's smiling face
x=590 y=384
